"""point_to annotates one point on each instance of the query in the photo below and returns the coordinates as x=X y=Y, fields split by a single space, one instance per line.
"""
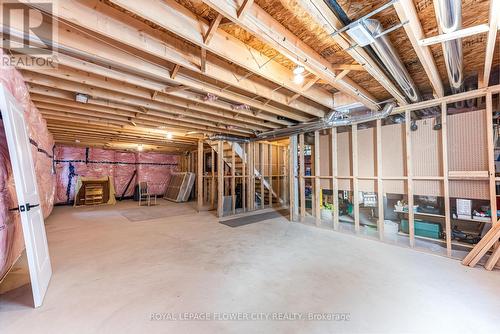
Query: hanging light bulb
x=140 y=147
x=169 y=135
x=298 y=74
x=298 y=70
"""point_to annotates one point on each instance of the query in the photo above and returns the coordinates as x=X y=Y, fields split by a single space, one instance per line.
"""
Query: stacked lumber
x=489 y=241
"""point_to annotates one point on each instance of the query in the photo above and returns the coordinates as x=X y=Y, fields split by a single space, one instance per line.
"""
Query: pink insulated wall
x=71 y=162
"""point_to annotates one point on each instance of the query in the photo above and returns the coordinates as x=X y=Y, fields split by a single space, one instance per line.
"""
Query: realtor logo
x=30 y=32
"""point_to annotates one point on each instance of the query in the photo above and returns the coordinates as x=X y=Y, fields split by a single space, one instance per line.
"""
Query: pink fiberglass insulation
x=155 y=168
x=124 y=171
x=11 y=239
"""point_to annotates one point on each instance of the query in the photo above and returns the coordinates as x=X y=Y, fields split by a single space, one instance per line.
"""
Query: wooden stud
x=244 y=180
x=409 y=174
x=233 y=179
x=270 y=170
x=317 y=180
x=335 y=181
x=220 y=179
x=212 y=183
x=490 y=44
x=491 y=158
x=262 y=171
x=302 y=183
x=199 y=182
x=355 y=170
x=380 y=192
x=446 y=183
x=293 y=178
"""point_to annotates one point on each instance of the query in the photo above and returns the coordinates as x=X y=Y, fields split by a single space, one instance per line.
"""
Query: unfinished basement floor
x=113 y=270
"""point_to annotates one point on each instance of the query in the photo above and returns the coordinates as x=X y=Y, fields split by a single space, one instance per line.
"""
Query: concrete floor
x=111 y=274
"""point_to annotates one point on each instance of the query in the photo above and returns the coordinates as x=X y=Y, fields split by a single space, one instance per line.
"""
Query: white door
x=23 y=169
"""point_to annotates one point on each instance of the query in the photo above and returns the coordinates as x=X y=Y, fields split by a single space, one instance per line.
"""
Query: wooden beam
x=461 y=33
x=203 y=60
x=179 y=20
x=174 y=89
x=265 y=27
x=293 y=178
x=321 y=13
x=102 y=19
x=406 y=12
x=134 y=96
x=199 y=174
x=244 y=6
x=351 y=67
x=494 y=20
x=174 y=71
x=212 y=28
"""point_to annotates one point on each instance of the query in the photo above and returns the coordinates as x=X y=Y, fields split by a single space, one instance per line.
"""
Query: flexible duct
x=389 y=57
x=449 y=18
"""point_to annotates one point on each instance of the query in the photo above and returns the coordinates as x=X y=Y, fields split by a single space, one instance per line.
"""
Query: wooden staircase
x=240 y=158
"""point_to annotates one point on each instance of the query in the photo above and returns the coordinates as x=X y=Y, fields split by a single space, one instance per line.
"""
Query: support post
x=446 y=188
x=409 y=174
x=302 y=184
x=293 y=178
x=317 y=180
x=220 y=179
x=244 y=180
x=380 y=192
x=355 y=190
x=491 y=158
x=199 y=181
x=270 y=171
x=233 y=180
x=335 y=181
x=261 y=168
x=212 y=183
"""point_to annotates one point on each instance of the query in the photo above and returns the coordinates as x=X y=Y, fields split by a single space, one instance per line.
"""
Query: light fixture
x=82 y=98
x=169 y=135
x=298 y=70
x=298 y=79
x=140 y=147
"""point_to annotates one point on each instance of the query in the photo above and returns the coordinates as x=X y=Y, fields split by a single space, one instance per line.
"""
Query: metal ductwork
x=378 y=46
x=333 y=119
x=390 y=58
x=449 y=19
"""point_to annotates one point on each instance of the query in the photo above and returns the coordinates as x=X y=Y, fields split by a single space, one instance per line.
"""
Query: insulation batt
x=11 y=238
x=154 y=168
